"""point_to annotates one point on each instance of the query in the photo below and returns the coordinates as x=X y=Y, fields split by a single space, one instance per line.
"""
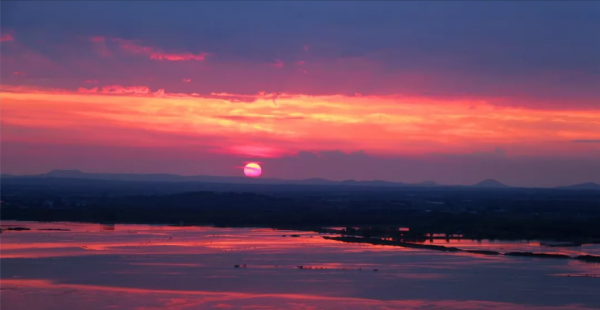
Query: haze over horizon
x=453 y=92
x=237 y=179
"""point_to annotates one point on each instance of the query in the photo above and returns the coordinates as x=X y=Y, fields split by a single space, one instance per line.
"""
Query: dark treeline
x=571 y=216
x=377 y=241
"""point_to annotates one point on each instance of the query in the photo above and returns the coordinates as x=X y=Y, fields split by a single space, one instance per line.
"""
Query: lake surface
x=94 y=266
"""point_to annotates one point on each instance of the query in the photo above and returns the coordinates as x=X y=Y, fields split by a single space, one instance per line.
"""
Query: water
x=164 y=267
x=517 y=246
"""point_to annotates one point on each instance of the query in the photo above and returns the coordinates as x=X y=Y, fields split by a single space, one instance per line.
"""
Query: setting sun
x=252 y=170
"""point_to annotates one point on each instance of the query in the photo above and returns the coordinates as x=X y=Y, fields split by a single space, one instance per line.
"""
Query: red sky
x=117 y=99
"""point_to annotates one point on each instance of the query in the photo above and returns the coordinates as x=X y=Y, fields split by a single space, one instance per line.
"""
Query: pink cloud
x=277 y=63
x=99 y=45
x=154 y=54
x=178 y=57
x=97 y=39
x=327 y=76
x=186 y=80
x=18 y=73
x=255 y=151
x=6 y=37
x=91 y=81
x=133 y=47
x=301 y=64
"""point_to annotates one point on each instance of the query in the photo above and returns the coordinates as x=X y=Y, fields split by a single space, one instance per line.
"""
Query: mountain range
x=583 y=186
x=77 y=174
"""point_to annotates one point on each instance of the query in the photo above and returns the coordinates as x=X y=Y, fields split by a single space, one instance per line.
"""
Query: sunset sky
x=454 y=92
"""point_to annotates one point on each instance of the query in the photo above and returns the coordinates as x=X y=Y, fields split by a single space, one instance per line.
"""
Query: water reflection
x=105 y=297
x=178 y=267
x=108 y=227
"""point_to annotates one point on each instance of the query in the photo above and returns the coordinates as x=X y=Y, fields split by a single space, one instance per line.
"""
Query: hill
x=582 y=186
x=240 y=180
x=77 y=174
x=490 y=183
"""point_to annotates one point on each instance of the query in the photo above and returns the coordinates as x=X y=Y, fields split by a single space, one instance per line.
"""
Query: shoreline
x=341 y=238
x=377 y=241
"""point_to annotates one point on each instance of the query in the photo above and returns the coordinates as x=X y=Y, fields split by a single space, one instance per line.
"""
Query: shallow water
x=164 y=267
x=517 y=246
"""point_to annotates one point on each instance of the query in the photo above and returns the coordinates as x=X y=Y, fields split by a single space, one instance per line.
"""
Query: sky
x=453 y=92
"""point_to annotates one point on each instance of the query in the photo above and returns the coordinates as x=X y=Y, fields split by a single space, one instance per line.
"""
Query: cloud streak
x=6 y=37
x=131 y=46
x=384 y=51
x=386 y=125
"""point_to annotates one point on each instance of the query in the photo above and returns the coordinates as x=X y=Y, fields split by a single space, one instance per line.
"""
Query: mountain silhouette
x=426 y=183
x=77 y=174
x=74 y=173
x=490 y=183
x=588 y=185
x=163 y=177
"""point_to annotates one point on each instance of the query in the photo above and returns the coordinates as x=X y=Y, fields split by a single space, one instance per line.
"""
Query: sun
x=252 y=170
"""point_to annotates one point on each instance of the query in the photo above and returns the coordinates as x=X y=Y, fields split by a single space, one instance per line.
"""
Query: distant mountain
x=66 y=174
x=77 y=174
x=371 y=183
x=158 y=177
x=589 y=186
x=317 y=181
x=490 y=183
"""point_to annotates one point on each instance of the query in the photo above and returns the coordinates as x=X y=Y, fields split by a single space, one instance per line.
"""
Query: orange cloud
x=122 y=90
x=384 y=125
x=117 y=89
